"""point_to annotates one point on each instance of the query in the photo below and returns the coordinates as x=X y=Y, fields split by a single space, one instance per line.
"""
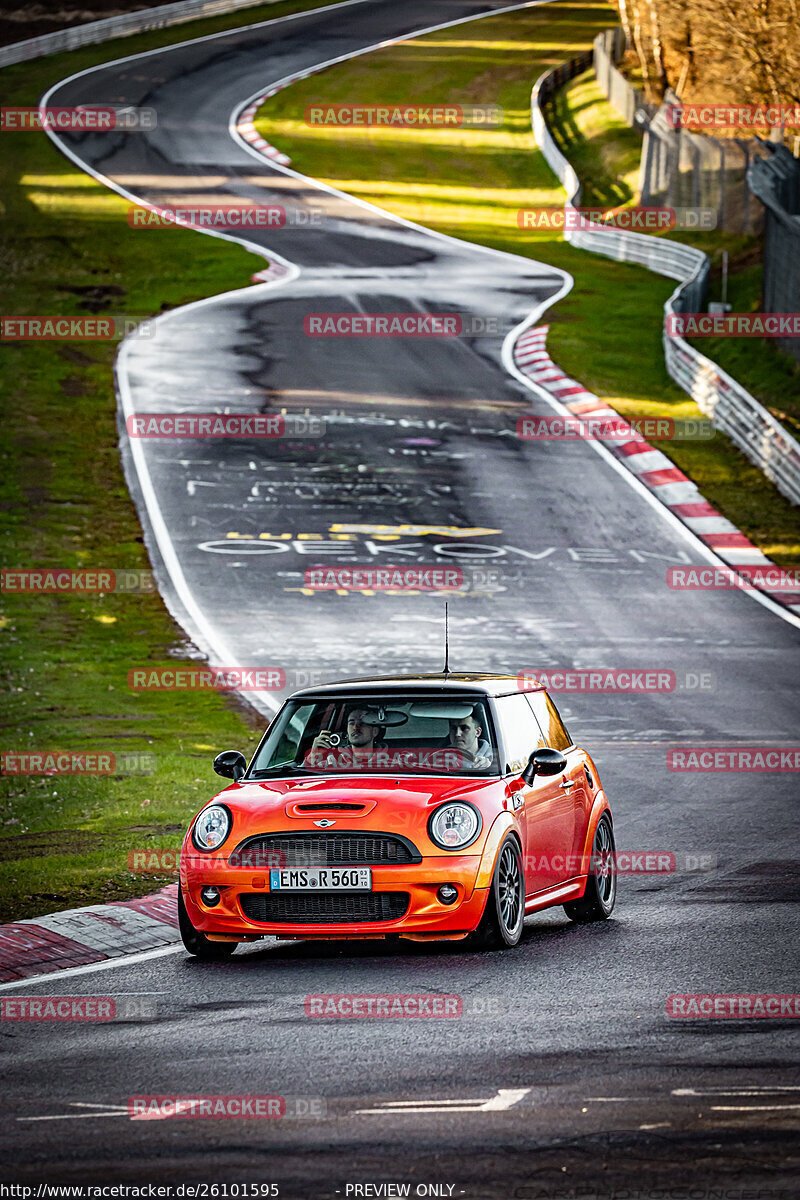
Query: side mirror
x=231 y=764
x=544 y=762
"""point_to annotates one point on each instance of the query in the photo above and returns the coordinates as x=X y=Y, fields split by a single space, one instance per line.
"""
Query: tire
x=196 y=942
x=601 y=888
x=504 y=915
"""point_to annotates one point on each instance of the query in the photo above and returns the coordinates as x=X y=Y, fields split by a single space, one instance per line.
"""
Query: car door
x=574 y=809
x=544 y=808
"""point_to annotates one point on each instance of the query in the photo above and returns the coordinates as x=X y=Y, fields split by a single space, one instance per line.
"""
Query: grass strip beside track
x=472 y=182
x=66 y=248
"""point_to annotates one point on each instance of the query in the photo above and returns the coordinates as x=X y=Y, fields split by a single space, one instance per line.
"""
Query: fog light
x=209 y=896
x=447 y=893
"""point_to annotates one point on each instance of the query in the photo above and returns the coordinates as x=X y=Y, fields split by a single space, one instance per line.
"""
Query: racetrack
x=421 y=433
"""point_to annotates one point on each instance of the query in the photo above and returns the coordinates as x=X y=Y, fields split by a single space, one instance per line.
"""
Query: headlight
x=454 y=825
x=211 y=827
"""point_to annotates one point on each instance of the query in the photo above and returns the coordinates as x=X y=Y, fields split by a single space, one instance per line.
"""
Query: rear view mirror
x=384 y=716
x=544 y=762
x=231 y=764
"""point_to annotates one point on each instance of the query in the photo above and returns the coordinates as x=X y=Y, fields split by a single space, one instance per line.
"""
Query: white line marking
x=637 y=485
x=204 y=632
x=287 y=80
x=75 y=1116
x=411 y=1103
x=754 y=1090
x=504 y=1099
x=85 y=1104
x=752 y=1107
x=213 y=642
x=385 y=1112
x=69 y=972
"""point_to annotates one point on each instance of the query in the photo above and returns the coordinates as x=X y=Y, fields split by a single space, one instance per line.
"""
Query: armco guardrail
x=119 y=26
x=728 y=405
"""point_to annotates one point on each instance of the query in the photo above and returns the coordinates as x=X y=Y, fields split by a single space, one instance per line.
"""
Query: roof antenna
x=446 y=641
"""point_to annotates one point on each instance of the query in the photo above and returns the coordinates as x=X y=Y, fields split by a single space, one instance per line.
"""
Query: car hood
x=359 y=790
x=367 y=803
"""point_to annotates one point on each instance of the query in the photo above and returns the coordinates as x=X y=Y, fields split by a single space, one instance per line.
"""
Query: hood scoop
x=342 y=808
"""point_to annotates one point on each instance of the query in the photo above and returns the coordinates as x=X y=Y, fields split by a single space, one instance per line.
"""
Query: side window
x=553 y=728
x=521 y=734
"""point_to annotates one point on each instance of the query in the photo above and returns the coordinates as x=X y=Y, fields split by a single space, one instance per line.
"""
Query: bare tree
x=717 y=51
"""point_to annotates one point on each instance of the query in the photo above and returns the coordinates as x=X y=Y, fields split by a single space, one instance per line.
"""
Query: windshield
x=380 y=734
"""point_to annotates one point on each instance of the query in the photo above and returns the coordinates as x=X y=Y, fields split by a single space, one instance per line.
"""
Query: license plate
x=322 y=879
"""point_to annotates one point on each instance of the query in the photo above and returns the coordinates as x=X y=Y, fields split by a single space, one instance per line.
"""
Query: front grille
x=326 y=850
x=323 y=908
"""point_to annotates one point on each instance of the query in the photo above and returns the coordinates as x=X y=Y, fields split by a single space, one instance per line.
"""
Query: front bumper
x=424 y=915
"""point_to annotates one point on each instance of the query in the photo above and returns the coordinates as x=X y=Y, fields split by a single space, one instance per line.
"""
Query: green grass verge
x=66 y=248
x=472 y=182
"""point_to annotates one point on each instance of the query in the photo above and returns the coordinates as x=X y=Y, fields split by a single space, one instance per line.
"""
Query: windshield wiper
x=296 y=769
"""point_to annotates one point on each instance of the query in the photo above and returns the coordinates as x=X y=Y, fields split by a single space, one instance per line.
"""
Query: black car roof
x=453 y=682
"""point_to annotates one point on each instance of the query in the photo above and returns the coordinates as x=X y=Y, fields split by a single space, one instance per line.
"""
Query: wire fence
x=776 y=182
x=681 y=169
x=728 y=405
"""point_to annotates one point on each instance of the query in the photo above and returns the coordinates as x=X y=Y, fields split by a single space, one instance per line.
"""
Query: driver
x=465 y=736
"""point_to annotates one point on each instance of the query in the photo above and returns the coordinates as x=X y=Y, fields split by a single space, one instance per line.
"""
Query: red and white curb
x=80 y=936
x=244 y=121
x=652 y=467
x=247 y=130
x=250 y=134
x=270 y=273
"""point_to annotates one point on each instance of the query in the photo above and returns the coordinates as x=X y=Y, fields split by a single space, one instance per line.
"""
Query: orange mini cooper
x=431 y=807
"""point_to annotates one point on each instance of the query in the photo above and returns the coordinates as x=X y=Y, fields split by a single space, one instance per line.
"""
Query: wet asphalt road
x=588 y=1083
